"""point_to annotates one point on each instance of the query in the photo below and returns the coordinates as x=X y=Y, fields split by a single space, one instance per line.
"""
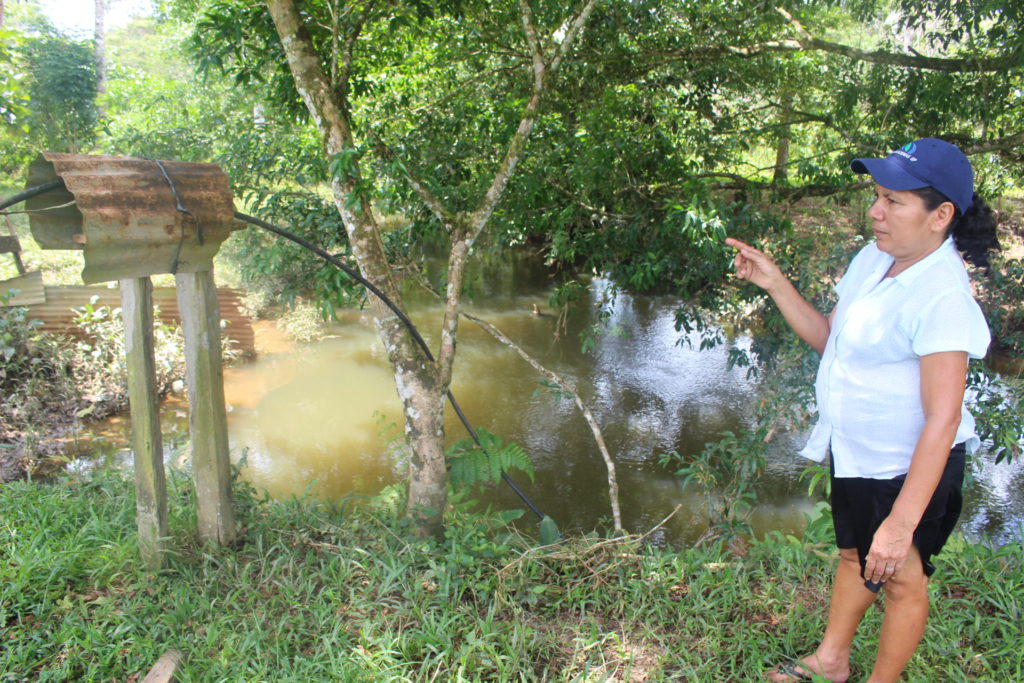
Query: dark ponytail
x=974 y=232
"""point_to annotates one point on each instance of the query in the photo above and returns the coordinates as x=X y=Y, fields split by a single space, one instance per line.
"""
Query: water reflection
x=315 y=423
x=324 y=418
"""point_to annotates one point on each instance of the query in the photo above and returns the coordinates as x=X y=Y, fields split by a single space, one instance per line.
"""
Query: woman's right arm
x=809 y=323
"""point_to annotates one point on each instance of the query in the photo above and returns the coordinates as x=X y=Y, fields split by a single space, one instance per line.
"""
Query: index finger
x=736 y=244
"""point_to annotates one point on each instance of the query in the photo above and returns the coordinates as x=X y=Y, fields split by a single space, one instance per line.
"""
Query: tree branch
x=468 y=227
x=536 y=53
x=806 y=42
x=575 y=29
x=460 y=88
x=613 y=484
x=346 y=51
x=592 y=209
x=1003 y=144
x=518 y=141
x=331 y=117
x=790 y=193
x=432 y=201
x=970 y=64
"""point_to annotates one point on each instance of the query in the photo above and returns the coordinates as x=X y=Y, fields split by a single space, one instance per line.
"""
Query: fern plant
x=473 y=463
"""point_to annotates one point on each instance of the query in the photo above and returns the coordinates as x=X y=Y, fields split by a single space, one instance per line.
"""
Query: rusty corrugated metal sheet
x=57 y=317
x=29 y=288
x=122 y=212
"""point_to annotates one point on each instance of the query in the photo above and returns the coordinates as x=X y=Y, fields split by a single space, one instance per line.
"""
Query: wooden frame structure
x=211 y=469
x=135 y=218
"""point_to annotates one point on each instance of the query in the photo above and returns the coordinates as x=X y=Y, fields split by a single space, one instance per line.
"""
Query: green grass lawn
x=316 y=593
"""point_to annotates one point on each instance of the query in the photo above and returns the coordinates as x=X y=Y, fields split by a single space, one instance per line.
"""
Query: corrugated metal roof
x=123 y=213
x=57 y=317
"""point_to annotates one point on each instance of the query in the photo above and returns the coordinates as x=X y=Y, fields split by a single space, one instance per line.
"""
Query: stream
x=324 y=418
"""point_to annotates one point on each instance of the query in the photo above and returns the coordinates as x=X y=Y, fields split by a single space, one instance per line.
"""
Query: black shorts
x=859 y=506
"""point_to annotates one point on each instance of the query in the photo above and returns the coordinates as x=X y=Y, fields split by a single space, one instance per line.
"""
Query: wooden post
x=16 y=251
x=208 y=424
x=147 y=446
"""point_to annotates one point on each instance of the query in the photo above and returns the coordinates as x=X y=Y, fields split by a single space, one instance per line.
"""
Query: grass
x=315 y=593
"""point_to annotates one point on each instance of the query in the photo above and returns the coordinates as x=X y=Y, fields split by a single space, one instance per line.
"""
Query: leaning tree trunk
x=416 y=377
x=100 y=44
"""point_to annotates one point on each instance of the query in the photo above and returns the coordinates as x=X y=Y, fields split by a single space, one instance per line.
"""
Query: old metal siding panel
x=29 y=286
x=57 y=316
x=128 y=216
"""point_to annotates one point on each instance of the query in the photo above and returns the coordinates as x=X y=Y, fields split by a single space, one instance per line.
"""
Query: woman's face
x=904 y=228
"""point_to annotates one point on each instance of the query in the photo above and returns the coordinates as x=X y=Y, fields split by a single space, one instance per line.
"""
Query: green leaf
x=549 y=533
x=508 y=516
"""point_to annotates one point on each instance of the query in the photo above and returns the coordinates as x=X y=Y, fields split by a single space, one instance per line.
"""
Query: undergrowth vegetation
x=342 y=593
x=52 y=383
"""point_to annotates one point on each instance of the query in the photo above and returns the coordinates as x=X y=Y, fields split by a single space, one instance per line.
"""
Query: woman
x=890 y=394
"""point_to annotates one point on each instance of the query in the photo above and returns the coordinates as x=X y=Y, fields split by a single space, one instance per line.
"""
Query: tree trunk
x=782 y=148
x=422 y=384
x=782 y=159
x=416 y=378
x=100 y=45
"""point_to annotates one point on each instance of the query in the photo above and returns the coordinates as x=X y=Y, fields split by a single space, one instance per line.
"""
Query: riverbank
x=316 y=593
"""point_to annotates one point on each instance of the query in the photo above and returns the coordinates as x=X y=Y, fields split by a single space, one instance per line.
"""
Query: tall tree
x=61 y=84
x=421 y=384
x=666 y=114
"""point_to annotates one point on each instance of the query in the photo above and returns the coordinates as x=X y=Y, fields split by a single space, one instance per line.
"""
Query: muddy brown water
x=324 y=418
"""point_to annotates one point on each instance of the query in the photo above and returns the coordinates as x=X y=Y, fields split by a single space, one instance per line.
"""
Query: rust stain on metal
x=123 y=214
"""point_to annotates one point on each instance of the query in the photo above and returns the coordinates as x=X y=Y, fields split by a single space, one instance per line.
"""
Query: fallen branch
x=613 y=485
x=165 y=668
x=586 y=552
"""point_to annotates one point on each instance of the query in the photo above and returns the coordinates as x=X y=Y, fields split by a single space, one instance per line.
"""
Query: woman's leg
x=850 y=600
x=906 y=612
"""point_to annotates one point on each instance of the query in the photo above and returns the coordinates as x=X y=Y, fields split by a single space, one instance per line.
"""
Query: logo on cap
x=907 y=151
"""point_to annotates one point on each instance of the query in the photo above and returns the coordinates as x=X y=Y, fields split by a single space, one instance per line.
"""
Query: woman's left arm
x=943 y=379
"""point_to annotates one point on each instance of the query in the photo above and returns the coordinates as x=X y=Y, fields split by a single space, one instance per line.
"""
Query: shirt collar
x=907 y=277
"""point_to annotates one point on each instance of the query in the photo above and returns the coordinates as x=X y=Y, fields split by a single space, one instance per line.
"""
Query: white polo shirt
x=868 y=388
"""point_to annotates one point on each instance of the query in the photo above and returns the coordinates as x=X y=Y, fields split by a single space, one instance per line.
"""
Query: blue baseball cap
x=928 y=162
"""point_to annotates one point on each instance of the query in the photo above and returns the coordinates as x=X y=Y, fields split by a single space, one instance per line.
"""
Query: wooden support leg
x=150 y=485
x=211 y=468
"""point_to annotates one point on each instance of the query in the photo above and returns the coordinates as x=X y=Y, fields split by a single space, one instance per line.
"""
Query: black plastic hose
x=31 y=192
x=351 y=272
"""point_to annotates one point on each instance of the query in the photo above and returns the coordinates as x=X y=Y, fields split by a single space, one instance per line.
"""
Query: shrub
x=36 y=378
x=303 y=323
x=50 y=382
x=1000 y=295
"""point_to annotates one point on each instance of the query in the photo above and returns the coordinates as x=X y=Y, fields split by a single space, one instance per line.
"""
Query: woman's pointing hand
x=754 y=266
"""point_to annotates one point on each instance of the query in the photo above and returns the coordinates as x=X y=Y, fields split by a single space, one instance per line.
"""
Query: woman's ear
x=943 y=216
